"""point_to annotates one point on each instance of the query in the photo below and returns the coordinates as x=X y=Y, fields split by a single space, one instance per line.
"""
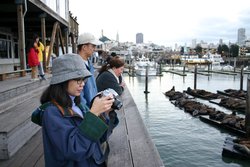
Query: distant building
x=176 y=47
x=241 y=36
x=139 y=38
x=248 y=43
x=220 y=41
x=193 y=43
x=117 y=37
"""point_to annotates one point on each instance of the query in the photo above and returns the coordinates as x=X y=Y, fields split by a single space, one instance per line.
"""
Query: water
x=183 y=140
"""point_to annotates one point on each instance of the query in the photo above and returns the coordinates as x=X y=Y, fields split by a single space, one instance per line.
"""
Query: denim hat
x=67 y=67
x=86 y=38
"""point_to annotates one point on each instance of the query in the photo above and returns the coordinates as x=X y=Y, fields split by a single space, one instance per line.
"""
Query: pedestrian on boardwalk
x=109 y=74
x=86 y=47
x=73 y=133
x=33 y=61
x=113 y=54
x=40 y=48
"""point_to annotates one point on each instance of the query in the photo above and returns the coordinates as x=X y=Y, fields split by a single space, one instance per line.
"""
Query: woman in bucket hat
x=72 y=133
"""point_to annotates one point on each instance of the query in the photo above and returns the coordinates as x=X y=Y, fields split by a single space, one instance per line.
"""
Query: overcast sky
x=163 y=22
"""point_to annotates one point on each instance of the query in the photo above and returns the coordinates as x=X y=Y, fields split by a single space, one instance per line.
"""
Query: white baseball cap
x=86 y=38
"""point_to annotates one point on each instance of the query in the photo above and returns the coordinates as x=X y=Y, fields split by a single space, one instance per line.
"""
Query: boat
x=214 y=59
x=144 y=64
x=193 y=60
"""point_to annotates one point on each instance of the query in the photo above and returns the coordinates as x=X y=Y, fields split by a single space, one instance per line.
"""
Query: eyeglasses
x=79 y=81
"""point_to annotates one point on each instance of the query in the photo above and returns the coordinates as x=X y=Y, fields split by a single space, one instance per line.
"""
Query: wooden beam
x=61 y=38
x=21 y=39
x=66 y=34
x=52 y=41
x=43 y=30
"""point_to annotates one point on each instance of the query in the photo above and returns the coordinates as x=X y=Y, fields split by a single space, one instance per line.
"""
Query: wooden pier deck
x=130 y=143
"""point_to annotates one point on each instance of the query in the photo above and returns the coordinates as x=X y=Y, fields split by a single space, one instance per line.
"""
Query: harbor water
x=183 y=140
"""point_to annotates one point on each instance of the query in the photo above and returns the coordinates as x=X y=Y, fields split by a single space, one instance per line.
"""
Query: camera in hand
x=117 y=104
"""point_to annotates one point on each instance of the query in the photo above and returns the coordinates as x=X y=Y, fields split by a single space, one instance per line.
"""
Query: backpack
x=37 y=115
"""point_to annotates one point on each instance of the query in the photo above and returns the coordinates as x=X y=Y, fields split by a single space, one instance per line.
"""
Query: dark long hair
x=58 y=93
x=116 y=62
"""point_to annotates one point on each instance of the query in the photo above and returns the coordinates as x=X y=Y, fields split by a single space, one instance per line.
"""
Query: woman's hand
x=101 y=104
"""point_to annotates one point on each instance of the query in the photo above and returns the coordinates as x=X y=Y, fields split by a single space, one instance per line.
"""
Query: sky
x=163 y=22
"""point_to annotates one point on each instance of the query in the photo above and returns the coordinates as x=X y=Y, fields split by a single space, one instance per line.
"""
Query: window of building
x=5 y=46
x=16 y=49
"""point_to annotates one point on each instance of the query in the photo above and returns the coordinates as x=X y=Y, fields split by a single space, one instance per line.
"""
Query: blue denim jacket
x=89 y=89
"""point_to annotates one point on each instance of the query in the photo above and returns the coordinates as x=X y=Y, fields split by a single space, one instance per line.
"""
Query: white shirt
x=75 y=108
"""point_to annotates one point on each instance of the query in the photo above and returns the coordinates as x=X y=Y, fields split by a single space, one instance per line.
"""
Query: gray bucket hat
x=67 y=67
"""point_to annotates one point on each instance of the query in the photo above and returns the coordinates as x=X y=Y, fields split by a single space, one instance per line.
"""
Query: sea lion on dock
x=170 y=92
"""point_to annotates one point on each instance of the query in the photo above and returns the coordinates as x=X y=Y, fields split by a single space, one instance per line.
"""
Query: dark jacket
x=107 y=80
x=72 y=141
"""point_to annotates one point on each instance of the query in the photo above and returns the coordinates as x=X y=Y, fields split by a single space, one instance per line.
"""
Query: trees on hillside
x=234 y=50
x=223 y=50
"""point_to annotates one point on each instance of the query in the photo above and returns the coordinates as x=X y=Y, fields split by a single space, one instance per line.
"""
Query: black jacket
x=107 y=80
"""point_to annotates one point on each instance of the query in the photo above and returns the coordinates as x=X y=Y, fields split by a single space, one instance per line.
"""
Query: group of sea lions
x=203 y=94
x=195 y=108
x=225 y=101
x=236 y=93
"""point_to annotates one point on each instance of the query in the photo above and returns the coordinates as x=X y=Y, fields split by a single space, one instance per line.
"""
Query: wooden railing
x=11 y=74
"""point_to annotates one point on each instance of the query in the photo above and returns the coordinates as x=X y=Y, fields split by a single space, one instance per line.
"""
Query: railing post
x=234 y=64
x=146 y=80
x=195 y=76
x=241 y=78
x=247 y=117
x=184 y=68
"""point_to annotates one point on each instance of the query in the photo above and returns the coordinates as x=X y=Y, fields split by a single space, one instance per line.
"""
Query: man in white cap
x=86 y=47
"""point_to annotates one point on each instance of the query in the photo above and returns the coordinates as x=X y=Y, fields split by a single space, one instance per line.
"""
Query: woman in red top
x=33 y=61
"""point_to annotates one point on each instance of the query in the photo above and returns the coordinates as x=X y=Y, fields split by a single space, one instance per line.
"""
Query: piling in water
x=146 y=80
x=195 y=76
x=247 y=118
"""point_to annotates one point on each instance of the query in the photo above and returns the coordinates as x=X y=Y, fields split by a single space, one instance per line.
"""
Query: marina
x=143 y=66
x=181 y=139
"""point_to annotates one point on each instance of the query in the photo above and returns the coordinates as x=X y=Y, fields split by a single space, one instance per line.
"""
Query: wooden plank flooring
x=130 y=143
x=22 y=158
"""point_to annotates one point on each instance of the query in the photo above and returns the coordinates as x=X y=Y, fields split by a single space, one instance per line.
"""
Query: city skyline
x=164 y=22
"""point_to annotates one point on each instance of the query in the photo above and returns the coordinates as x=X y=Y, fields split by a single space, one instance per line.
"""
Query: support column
x=73 y=41
x=43 y=30
x=21 y=36
x=66 y=34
